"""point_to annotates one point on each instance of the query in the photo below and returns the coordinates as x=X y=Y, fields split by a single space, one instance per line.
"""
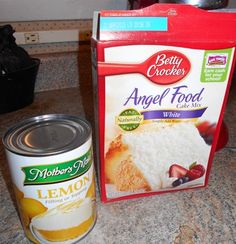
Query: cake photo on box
x=157 y=156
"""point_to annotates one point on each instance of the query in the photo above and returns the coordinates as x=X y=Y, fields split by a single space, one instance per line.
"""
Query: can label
x=46 y=174
x=55 y=194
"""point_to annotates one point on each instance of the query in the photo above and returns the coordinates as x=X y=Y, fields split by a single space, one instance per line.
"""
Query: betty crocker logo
x=164 y=67
x=167 y=67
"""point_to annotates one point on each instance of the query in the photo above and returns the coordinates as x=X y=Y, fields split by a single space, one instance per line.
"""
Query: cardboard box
x=161 y=80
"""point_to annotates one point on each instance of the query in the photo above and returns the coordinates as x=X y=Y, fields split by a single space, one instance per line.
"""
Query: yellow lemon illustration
x=66 y=221
x=19 y=194
x=32 y=207
x=30 y=236
x=24 y=218
x=91 y=190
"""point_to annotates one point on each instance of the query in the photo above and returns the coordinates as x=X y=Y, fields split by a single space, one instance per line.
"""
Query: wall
x=26 y=10
x=16 y=10
x=232 y=4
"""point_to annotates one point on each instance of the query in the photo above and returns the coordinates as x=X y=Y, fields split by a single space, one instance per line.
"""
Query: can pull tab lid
x=47 y=135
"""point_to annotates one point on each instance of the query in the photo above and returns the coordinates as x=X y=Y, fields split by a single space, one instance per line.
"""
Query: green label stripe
x=129 y=119
x=53 y=173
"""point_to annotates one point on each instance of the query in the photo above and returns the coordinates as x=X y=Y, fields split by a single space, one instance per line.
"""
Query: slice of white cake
x=141 y=159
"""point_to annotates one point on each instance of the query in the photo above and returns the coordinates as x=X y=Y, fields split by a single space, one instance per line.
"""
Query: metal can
x=51 y=163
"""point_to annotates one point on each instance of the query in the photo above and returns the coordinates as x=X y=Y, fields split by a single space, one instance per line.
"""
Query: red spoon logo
x=164 y=67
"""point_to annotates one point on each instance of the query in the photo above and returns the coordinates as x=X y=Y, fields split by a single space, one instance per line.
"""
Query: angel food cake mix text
x=161 y=89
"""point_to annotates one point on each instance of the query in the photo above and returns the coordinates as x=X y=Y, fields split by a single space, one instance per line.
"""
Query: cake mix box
x=161 y=79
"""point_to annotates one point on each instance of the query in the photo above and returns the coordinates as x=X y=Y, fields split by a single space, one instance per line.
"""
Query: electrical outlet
x=31 y=37
x=52 y=36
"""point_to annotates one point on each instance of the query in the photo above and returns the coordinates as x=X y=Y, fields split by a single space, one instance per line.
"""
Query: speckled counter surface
x=196 y=216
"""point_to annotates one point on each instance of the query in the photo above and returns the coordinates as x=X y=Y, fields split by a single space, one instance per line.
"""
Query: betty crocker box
x=161 y=79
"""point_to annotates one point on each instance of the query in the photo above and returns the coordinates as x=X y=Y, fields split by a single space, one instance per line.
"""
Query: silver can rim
x=11 y=134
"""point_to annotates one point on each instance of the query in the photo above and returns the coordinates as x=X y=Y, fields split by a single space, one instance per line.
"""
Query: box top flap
x=165 y=22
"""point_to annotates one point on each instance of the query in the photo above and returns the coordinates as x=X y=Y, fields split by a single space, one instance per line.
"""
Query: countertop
x=206 y=215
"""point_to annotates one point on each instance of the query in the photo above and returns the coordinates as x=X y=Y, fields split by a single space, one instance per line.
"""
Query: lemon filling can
x=51 y=164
